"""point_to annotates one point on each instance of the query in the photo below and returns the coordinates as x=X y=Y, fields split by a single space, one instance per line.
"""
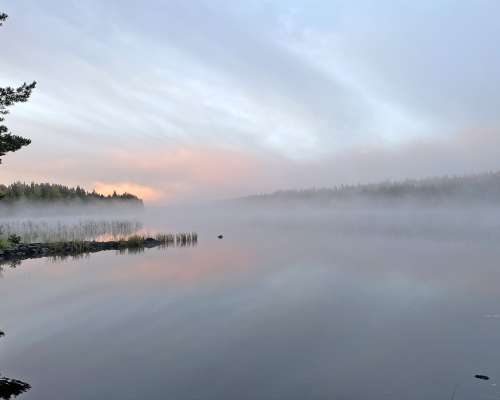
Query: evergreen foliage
x=49 y=192
x=8 y=97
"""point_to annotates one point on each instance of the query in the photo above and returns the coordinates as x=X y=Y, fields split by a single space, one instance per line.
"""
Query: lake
x=393 y=304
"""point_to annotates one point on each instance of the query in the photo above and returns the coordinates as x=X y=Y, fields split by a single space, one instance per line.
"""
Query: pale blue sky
x=299 y=93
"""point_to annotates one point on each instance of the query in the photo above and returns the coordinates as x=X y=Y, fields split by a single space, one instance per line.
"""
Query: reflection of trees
x=84 y=249
x=11 y=264
x=10 y=388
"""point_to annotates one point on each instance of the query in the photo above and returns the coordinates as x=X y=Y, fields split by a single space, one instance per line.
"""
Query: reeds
x=178 y=239
x=186 y=239
x=49 y=230
x=73 y=246
x=134 y=241
x=181 y=239
x=165 y=238
x=86 y=236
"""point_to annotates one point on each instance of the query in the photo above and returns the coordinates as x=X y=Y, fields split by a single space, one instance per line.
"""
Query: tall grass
x=134 y=241
x=167 y=239
x=48 y=230
x=186 y=239
x=74 y=237
x=4 y=243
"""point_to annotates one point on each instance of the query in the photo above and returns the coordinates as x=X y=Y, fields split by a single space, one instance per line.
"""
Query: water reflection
x=8 y=263
x=270 y=312
x=10 y=388
x=182 y=243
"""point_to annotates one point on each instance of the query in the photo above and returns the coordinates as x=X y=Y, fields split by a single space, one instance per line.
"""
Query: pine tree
x=8 y=97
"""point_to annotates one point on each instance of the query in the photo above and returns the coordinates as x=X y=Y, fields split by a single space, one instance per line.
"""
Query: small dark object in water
x=12 y=387
x=2 y=333
x=220 y=236
x=483 y=377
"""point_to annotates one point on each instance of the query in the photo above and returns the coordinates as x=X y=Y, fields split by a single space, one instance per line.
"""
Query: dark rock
x=34 y=250
x=12 y=387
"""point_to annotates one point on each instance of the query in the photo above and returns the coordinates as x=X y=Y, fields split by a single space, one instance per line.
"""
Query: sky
x=187 y=101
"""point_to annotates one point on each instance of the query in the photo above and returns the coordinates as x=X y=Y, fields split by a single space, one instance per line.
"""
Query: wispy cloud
x=212 y=99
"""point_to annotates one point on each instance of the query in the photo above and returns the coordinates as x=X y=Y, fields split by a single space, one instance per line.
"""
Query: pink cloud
x=192 y=172
x=144 y=192
x=168 y=174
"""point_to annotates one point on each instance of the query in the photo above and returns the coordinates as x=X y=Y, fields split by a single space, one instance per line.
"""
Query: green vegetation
x=55 y=230
x=9 y=241
x=4 y=243
x=72 y=246
x=14 y=252
x=14 y=239
x=49 y=192
x=83 y=236
x=186 y=239
x=75 y=234
x=167 y=239
x=134 y=241
x=8 y=97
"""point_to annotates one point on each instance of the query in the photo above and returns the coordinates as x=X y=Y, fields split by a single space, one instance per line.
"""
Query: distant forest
x=471 y=188
x=49 y=192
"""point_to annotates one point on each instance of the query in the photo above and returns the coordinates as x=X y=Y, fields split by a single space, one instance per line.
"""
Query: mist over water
x=356 y=255
x=295 y=302
x=68 y=209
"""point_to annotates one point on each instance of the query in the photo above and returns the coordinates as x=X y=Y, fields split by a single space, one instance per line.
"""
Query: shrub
x=4 y=244
x=14 y=239
x=135 y=241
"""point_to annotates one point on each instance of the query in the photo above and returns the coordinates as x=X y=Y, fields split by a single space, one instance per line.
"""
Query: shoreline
x=25 y=251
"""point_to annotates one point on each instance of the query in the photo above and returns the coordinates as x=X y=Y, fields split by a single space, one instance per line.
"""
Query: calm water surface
x=278 y=309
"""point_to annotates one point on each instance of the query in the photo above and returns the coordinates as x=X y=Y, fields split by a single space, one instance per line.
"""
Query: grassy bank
x=14 y=250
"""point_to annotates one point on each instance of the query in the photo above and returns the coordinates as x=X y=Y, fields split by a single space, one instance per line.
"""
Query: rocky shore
x=37 y=250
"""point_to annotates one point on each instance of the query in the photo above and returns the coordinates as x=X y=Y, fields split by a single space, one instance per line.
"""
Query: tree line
x=479 y=188
x=41 y=192
x=9 y=96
